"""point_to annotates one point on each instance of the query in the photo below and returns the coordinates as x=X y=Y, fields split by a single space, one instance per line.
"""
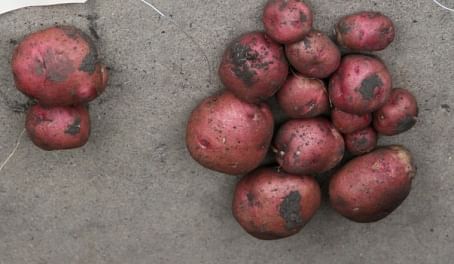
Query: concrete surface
x=133 y=195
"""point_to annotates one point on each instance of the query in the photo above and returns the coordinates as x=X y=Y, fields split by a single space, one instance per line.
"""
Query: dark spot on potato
x=38 y=68
x=340 y=202
x=240 y=55
x=362 y=142
x=250 y=199
x=405 y=124
x=71 y=32
x=303 y=17
x=90 y=61
x=343 y=27
x=369 y=85
x=290 y=210
x=74 y=128
x=307 y=43
x=57 y=67
x=283 y=5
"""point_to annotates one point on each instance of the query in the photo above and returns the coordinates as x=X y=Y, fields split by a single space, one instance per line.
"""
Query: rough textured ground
x=133 y=195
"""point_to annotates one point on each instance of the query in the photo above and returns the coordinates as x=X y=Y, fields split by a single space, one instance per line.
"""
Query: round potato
x=254 y=67
x=228 y=135
x=361 y=85
x=308 y=146
x=271 y=204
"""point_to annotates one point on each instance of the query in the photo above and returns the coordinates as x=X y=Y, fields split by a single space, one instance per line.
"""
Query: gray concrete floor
x=133 y=195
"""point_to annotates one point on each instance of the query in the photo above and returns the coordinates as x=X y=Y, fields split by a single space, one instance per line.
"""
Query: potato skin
x=302 y=97
x=370 y=187
x=58 y=128
x=308 y=146
x=361 y=141
x=253 y=67
x=315 y=56
x=228 y=135
x=271 y=204
x=59 y=66
x=365 y=31
x=361 y=85
x=398 y=115
x=348 y=123
x=287 y=21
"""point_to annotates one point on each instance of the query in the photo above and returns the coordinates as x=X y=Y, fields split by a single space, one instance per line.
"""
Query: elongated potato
x=370 y=187
x=365 y=31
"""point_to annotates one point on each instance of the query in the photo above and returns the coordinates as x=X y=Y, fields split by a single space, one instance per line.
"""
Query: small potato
x=302 y=97
x=254 y=67
x=228 y=135
x=370 y=187
x=315 y=56
x=308 y=146
x=58 y=128
x=365 y=31
x=271 y=204
x=361 y=85
x=287 y=21
x=59 y=66
x=398 y=115
x=348 y=123
x=361 y=141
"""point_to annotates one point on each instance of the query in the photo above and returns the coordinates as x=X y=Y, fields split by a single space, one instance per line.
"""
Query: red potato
x=59 y=66
x=361 y=141
x=253 y=67
x=302 y=97
x=315 y=56
x=365 y=31
x=372 y=186
x=58 y=128
x=308 y=146
x=361 y=85
x=287 y=21
x=398 y=115
x=271 y=204
x=348 y=123
x=228 y=135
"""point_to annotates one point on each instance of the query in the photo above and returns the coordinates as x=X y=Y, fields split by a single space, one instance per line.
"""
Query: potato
x=361 y=141
x=302 y=97
x=398 y=115
x=59 y=66
x=58 y=128
x=287 y=21
x=372 y=186
x=253 y=67
x=315 y=56
x=308 y=146
x=361 y=85
x=365 y=31
x=228 y=135
x=348 y=123
x=271 y=204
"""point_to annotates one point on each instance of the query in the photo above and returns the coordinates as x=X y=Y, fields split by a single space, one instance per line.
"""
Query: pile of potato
x=233 y=131
x=59 y=68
